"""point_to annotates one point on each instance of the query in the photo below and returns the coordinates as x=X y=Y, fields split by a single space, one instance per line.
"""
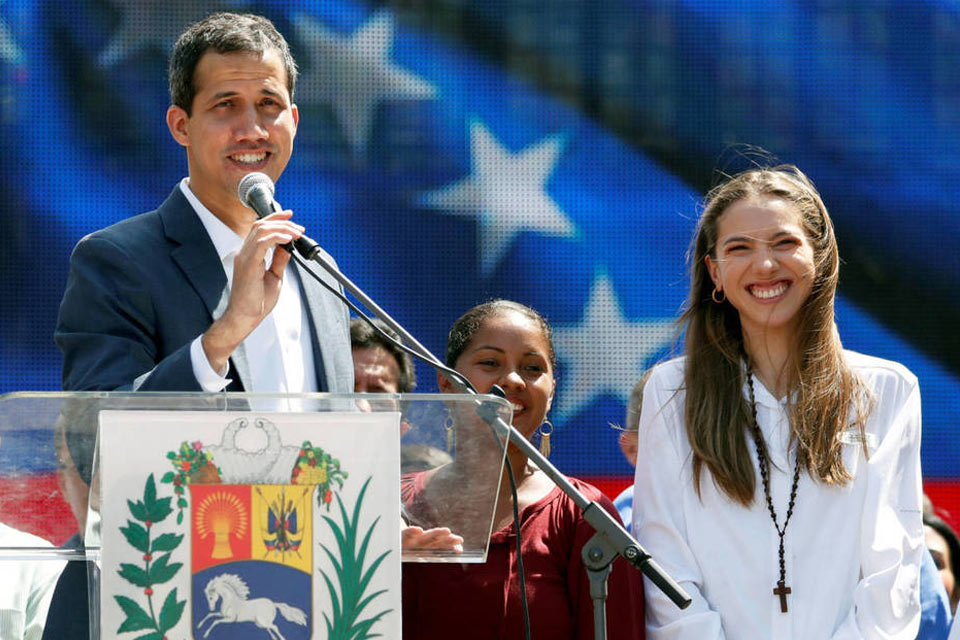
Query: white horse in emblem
x=235 y=607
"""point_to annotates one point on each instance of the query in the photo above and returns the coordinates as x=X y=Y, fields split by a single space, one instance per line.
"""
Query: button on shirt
x=852 y=552
x=279 y=348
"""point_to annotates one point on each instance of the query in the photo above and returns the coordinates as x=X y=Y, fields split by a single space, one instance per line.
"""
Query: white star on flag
x=354 y=74
x=9 y=51
x=152 y=24
x=507 y=192
x=605 y=352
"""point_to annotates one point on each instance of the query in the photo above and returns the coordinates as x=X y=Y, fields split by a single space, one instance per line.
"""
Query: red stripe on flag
x=945 y=495
x=33 y=503
x=610 y=485
x=943 y=492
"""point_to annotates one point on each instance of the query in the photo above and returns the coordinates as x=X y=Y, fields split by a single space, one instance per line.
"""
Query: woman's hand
x=439 y=539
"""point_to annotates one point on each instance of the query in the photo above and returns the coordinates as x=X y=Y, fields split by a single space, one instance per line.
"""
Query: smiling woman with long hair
x=778 y=477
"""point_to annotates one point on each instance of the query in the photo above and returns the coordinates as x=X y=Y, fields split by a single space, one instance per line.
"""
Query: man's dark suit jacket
x=141 y=290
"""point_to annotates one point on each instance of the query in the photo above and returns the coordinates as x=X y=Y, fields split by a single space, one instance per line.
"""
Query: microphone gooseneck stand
x=610 y=539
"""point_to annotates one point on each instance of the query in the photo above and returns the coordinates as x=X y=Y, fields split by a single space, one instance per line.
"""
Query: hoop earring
x=448 y=426
x=545 y=430
x=723 y=297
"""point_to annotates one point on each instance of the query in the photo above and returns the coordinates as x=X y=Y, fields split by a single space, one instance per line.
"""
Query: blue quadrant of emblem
x=249 y=599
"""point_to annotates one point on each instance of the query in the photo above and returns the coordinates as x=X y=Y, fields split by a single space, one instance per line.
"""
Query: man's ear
x=177 y=123
x=443 y=384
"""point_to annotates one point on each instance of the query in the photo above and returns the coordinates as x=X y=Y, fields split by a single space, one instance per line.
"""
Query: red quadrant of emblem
x=220 y=524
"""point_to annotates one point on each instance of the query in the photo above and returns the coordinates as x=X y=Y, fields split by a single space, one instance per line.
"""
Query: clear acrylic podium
x=299 y=457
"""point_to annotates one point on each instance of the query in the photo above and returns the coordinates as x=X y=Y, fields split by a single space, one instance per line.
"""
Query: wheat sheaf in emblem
x=231 y=592
x=221 y=515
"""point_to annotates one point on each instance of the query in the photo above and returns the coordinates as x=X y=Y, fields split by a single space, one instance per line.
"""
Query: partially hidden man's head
x=379 y=365
x=74 y=437
x=629 y=437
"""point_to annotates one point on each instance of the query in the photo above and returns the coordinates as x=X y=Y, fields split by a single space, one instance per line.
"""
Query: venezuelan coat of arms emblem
x=239 y=534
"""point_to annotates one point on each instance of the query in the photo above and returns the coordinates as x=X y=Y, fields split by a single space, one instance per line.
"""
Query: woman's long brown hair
x=824 y=391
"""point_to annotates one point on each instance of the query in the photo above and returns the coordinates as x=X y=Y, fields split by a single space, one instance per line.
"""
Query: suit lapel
x=197 y=258
x=329 y=332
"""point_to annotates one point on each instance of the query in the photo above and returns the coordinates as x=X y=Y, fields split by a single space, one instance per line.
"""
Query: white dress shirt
x=852 y=552
x=279 y=349
x=26 y=588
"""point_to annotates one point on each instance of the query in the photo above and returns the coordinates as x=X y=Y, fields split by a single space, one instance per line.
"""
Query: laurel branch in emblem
x=156 y=569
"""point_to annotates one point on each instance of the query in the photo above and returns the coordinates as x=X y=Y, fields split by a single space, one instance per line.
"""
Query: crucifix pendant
x=782 y=590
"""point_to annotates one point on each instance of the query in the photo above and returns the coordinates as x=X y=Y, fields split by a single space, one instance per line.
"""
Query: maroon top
x=482 y=601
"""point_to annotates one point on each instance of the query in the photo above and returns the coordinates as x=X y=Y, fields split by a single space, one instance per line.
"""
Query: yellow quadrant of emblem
x=286 y=544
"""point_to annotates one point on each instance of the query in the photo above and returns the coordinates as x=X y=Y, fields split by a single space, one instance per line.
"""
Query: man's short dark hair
x=949 y=536
x=363 y=336
x=76 y=429
x=223 y=33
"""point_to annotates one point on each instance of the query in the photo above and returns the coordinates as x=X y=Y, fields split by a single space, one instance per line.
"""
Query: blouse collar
x=761 y=394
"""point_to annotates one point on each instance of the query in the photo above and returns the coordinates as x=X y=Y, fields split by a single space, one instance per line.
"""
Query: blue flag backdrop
x=550 y=151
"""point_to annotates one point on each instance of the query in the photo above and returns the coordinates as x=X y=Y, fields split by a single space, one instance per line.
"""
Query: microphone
x=256 y=192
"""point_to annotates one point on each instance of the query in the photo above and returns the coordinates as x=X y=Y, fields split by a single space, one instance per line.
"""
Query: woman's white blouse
x=852 y=552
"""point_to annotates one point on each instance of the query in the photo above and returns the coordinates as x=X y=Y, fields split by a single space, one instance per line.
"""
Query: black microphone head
x=250 y=183
x=497 y=390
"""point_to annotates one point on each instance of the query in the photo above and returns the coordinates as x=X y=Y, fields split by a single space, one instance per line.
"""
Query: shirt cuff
x=208 y=379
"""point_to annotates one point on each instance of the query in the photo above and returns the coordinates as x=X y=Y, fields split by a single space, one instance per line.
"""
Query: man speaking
x=197 y=295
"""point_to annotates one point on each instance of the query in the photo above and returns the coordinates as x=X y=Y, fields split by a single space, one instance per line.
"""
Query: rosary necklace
x=781 y=590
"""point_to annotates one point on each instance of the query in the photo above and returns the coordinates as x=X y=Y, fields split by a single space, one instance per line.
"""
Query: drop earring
x=545 y=431
x=448 y=426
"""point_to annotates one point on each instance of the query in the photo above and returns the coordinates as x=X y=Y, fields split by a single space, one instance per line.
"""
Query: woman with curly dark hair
x=508 y=344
